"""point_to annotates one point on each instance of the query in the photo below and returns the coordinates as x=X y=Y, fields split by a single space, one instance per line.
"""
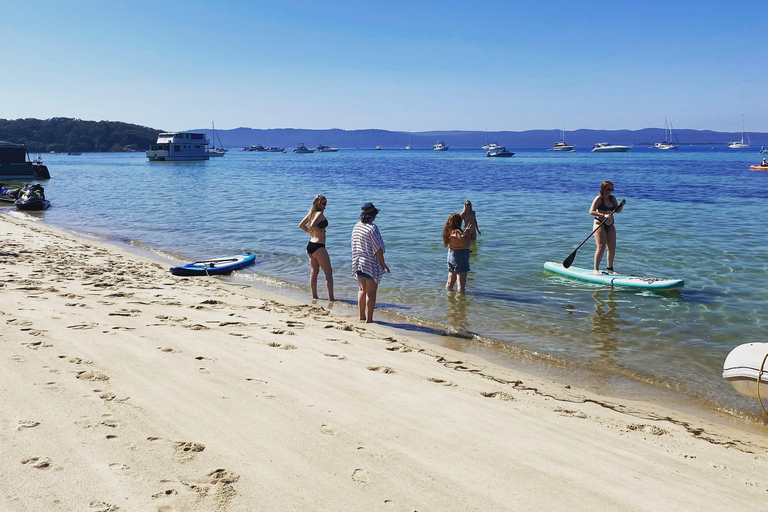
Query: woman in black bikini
x=315 y=223
x=603 y=208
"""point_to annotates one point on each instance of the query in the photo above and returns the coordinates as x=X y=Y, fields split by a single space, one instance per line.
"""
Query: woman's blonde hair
x=316 y=206
x=453 y=222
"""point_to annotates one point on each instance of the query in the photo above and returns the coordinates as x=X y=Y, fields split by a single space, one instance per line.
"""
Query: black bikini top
x=323 y=224
x=602 y=207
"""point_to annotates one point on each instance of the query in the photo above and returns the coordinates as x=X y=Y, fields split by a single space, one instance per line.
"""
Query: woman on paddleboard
x=602 y=209
x=315 y=223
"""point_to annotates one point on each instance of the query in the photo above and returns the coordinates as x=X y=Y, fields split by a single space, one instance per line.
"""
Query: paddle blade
x=569 y=260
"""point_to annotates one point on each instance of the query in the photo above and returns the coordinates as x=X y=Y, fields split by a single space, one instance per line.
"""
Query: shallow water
x=697 y=213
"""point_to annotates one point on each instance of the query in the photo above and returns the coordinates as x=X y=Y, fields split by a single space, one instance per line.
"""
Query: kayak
x=216 y=266
x=759 y=167
x=743 y=366
x=648 y=283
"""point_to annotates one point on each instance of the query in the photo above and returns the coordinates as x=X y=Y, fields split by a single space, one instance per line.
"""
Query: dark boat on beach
x=16 y=165
x=32 y=198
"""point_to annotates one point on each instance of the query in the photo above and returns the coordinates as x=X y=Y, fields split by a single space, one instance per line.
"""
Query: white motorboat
x=257 y=147
x=669 y=134
x=561 y=145
x=741 y=144
x=604 y=147
x=303 y=149
x=409 y=140
x=499 y=152
x=178 y=146
x=439 y=147
x=275 y=149
x=322 y=148
x=377 y=148
x=745 y=367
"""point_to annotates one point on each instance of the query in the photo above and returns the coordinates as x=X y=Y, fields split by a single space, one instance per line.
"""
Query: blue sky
x=428 y=65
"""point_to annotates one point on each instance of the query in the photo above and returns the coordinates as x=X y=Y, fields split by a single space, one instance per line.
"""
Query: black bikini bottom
x=313 y=246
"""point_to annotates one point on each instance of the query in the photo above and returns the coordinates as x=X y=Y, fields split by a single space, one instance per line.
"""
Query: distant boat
x=561 y=145
x=741 y=145
x=409 y=140
x=213 y=150
x=604 y=147
x=499 y=152
x=301 y=148
x=275 y=149
x=492 y=145
x=257 y=147
x=75 y=153
x=669 y=133
x=439 y=147
x=178 y=146
x=377 y=148
x=322 y=148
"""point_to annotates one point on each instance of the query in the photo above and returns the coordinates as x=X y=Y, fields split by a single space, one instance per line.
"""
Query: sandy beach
x=126 y=388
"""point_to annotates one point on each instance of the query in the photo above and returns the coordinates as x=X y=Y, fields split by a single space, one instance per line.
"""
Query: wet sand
x=126 y=388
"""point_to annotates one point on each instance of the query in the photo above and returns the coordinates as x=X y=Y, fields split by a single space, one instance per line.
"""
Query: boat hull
x=611 y=149
x=759 y=167
x=216 y=266
x=742 y=368
x=499 y=154
x=648 y=283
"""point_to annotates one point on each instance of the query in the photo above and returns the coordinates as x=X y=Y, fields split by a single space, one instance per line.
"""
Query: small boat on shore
x=605 y=147
x=16 y=165
x=216 y=266
x=746 y=368
x=32 y=198
x=499 y=152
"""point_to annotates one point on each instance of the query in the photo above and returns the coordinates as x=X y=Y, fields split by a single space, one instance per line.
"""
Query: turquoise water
x=698 y=214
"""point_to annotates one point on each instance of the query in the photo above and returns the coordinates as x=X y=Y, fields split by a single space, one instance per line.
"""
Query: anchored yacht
x=178 y=146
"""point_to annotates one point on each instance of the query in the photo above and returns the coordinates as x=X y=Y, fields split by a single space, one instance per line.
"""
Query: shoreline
x=127 y=388
x=585 y=375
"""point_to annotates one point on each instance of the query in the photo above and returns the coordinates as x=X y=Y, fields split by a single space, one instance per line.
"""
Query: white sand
x=126 y=388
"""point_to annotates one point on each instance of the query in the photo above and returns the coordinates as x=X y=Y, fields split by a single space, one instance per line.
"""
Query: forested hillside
x=63 y=134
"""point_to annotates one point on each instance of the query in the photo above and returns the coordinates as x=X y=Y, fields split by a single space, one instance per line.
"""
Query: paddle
x=569 y=260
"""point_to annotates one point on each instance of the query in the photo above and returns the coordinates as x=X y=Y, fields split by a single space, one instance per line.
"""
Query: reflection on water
x=605 y=321
x=457 y=310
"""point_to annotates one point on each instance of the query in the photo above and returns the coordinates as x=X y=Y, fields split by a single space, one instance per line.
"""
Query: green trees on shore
x=62 y=134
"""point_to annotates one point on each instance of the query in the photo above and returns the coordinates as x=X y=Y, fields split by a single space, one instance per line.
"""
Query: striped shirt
x=366 y=241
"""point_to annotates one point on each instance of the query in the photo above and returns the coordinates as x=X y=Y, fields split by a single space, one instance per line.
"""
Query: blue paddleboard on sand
x=216 y=266
x=647 y=283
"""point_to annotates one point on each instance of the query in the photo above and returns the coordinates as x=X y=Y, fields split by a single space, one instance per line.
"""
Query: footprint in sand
x=325 y=429
x=648 y=429
x=360 y=476
x=283 y=331
x=91 y=375
x=571 y=413
x=35 y=345
x=18 y=359
x=52 y=386
x=38 y=462
x=108 y=420
x=188 y=447
x=399 y=348
x=125 y=471
x=441 y=381
x=102 y=506
x=500 y=395
x=169 y=350
x=337 y=356
x=382 y=369
x=27 y=424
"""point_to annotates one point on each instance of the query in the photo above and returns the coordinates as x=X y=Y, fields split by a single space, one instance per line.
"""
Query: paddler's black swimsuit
x=604 y=208
x=314 y=246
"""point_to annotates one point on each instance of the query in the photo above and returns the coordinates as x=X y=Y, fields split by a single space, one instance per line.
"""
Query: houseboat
x=16 y=165
x=178 y=146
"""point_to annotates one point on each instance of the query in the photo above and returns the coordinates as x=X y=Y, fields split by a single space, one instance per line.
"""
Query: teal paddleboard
x=648 y=283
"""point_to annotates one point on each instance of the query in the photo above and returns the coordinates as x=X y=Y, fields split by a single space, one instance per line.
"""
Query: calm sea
x=698 y=213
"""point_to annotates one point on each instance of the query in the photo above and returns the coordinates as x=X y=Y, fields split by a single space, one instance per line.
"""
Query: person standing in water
x=602 y=209
x=315 y=223
x=470 y=220
x=457 y=241
x=368 y=264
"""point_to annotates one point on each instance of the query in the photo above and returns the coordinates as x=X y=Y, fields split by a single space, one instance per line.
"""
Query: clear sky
x=396 y=65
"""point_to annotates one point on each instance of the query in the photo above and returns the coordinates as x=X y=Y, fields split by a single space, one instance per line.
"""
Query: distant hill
x=63 y=134
x=290 y=137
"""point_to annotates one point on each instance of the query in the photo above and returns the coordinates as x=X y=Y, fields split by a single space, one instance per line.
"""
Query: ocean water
x=698 y=213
